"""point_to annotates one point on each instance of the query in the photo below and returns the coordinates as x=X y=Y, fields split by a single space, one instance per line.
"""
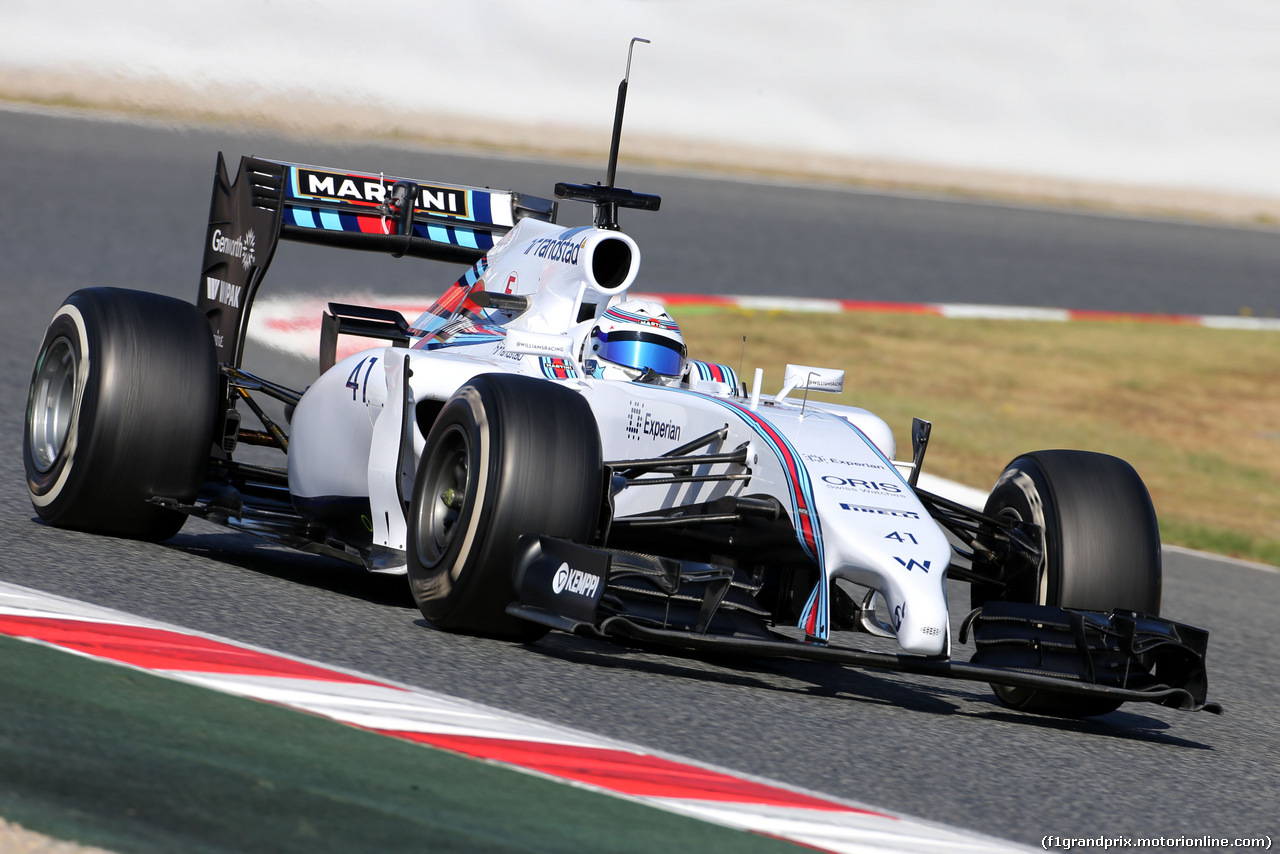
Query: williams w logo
x=914 y=564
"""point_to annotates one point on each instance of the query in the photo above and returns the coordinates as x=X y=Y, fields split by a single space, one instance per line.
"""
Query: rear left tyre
x=121 y=408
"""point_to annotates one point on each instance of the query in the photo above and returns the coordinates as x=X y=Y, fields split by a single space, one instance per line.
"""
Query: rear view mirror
x=811 y=379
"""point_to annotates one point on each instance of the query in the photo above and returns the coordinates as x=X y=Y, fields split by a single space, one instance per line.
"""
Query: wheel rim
x=1013 y=697
x=1041 y=588
x=443 y=504
x=53 y=397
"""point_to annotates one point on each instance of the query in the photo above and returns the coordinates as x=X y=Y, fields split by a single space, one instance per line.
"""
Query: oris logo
x=574 y=581
x=863 y=485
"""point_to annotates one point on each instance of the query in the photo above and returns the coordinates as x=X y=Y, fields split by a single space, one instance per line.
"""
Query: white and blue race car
x=538 y=451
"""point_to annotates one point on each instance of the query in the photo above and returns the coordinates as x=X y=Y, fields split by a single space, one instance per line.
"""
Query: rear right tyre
x=121 y=408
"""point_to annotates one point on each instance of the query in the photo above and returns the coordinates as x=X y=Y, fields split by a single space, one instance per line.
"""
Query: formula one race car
x=538 y=451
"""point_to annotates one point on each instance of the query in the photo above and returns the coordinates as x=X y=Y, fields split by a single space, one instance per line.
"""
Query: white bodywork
x=828 y=465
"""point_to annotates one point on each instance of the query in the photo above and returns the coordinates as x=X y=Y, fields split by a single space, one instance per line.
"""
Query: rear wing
x=270 y=200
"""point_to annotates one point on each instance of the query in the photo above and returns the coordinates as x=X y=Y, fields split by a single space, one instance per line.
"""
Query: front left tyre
x=508 y=455
x=121 y=409
x=1100 y=547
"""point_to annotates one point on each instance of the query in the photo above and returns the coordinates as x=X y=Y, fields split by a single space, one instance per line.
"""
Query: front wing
x=1120 y=656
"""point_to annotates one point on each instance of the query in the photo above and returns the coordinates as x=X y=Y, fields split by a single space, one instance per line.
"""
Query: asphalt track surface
x=94 y=202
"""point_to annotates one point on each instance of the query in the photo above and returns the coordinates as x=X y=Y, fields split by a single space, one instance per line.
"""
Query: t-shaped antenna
x=617 y=115
x=606 y=197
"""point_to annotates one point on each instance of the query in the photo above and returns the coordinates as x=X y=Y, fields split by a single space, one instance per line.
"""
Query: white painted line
x=291 y=324
x=961 y=311
x=381 y=707
x=736 y=800
x=802 y=304
x=1254 y=324
x=1233 y=561
x=830 y=834
x=957 y=492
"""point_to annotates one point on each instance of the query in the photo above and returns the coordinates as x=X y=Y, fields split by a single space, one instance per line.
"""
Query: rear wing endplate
x=269 y=200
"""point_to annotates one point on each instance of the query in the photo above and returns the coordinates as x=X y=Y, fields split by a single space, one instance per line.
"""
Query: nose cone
x=912 y=579
x=922 y=623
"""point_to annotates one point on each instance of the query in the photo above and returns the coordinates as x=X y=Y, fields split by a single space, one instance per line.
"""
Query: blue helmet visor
x=642 y=350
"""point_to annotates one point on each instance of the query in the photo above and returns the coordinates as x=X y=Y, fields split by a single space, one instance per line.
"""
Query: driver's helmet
x=631 y=337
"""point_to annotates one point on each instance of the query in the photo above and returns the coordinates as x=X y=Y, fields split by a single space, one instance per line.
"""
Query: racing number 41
x=361 y=384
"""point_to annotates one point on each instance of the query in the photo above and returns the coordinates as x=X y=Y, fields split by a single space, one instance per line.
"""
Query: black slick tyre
x=508 y=455
x=120 y=409
x=1101 y=547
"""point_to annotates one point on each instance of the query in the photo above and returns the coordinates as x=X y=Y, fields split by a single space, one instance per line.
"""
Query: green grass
x=119 y=758
x=1195 y=410
x=1220 y=541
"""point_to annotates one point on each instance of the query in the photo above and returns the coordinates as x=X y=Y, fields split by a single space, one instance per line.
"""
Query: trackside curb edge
x=554 y=752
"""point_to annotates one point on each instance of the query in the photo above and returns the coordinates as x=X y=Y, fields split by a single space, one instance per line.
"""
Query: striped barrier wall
x=291 y=324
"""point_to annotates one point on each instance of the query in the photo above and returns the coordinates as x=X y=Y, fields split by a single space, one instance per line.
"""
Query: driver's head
x=631 y=337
